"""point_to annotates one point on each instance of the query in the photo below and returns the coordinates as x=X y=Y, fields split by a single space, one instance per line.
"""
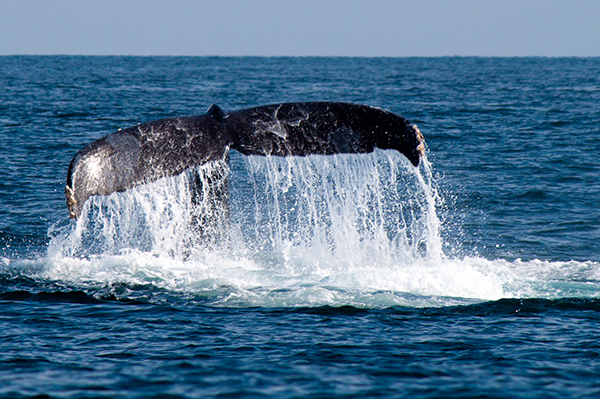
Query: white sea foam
x=358 y=230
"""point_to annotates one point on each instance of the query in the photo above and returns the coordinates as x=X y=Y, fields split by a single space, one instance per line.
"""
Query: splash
x=346 y=229
x=339 y=212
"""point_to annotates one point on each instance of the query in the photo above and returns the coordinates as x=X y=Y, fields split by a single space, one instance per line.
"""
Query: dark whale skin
x=167 y=147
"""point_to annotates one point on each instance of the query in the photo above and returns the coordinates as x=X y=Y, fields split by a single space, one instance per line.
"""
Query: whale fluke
x=167 y=147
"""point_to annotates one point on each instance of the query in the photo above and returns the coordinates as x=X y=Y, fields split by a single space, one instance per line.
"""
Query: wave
x=342 y=230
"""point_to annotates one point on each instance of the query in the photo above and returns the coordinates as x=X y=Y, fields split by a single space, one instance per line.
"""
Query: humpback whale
x=167 y=147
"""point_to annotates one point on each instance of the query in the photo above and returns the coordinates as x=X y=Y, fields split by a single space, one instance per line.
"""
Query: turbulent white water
x=358 y=230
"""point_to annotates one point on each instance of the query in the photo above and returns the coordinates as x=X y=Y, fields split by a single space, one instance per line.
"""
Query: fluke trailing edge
x=167 y=147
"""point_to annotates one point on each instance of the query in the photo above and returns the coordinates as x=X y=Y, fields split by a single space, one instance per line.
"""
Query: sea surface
x=475 y=275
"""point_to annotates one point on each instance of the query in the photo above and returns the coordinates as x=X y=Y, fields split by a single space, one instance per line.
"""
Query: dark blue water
x=477 y=275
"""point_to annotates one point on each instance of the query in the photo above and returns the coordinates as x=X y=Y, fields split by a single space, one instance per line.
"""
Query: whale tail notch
x=167 y=147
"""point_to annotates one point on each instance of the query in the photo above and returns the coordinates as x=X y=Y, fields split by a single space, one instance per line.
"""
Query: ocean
x=475 y=275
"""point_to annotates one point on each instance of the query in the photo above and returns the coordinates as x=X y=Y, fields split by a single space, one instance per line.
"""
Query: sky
x=364 y=28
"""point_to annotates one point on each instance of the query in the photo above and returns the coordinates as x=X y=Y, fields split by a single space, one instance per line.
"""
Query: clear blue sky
x=301 y=27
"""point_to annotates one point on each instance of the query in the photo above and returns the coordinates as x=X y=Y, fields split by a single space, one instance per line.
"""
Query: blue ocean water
x=475 y=275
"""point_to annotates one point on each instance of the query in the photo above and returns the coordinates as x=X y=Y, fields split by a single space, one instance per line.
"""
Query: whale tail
x=167 y=147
